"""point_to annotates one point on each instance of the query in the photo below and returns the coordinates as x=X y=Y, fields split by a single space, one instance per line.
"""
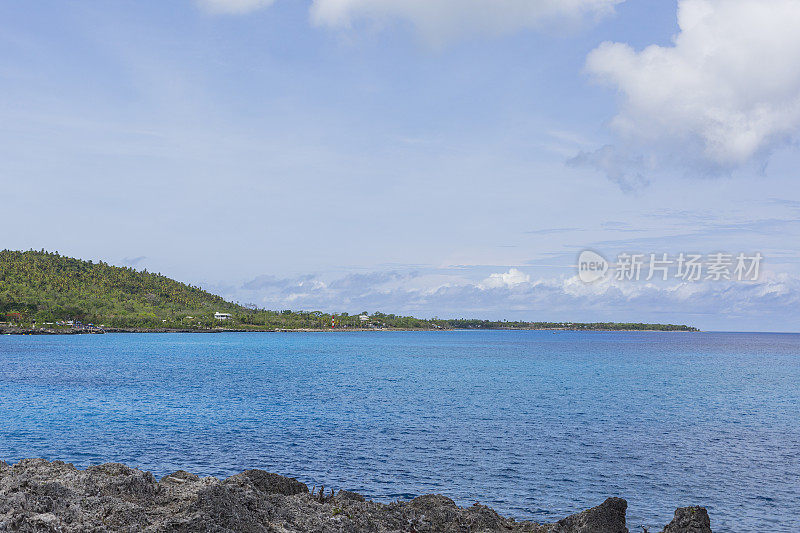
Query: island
x=44 y=292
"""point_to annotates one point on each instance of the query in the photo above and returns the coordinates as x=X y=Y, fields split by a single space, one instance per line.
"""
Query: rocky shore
x=37 y=495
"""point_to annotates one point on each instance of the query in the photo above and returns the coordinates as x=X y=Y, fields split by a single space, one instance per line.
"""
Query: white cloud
x=234 y=6
x=441 y=20
x=505 y=279
x=727 y=90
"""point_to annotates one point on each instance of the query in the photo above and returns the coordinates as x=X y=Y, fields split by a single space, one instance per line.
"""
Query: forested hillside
x=46 y=286
x=39 y=287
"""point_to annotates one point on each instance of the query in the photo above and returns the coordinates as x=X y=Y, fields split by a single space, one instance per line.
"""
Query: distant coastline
x=45 y=293
x=98 y=331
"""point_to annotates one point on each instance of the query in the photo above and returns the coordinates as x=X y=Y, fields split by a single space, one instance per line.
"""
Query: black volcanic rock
x=268 y=483
x=689 y=520
x=37 y=495
x=608 y=517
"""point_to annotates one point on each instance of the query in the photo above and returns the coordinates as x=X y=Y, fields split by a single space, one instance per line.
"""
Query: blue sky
x=433 y=157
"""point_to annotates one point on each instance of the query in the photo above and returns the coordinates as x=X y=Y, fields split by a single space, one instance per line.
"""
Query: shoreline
x=40 y=495
x=99 y=331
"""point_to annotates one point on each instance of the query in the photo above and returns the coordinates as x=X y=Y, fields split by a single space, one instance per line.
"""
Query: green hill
x=44 y=288
x=39 y=287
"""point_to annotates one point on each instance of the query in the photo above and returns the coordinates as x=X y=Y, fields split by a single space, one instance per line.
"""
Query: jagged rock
x=348 y=495
x=269 y=483
x=181 y=476
x=37 y=495
x=689 y=520
x=608 y=517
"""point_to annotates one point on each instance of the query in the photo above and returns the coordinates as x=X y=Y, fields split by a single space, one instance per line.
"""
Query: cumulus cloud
x=441 y=20
x=234 y=6
x=505 y=279
x=727 y=89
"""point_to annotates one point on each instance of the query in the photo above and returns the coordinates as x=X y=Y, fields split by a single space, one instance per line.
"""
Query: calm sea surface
x=535 y=424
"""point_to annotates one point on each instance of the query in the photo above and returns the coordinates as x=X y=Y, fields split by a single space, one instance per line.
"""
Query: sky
x=446 y=158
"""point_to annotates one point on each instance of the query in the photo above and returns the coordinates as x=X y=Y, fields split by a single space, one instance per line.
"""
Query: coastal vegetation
x=46 y=289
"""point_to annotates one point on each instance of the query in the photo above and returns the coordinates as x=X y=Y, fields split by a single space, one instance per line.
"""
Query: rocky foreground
x=37 y=495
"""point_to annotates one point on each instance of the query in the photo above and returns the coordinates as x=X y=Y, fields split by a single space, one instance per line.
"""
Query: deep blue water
x=535 y=424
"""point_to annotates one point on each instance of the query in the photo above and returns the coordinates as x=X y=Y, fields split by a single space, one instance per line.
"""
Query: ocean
x=535 y=424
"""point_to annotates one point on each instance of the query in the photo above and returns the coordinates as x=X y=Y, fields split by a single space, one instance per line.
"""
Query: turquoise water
x=535 y=424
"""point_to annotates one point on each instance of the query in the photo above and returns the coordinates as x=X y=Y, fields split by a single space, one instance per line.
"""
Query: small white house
x=222 y=316
x=363 y=318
